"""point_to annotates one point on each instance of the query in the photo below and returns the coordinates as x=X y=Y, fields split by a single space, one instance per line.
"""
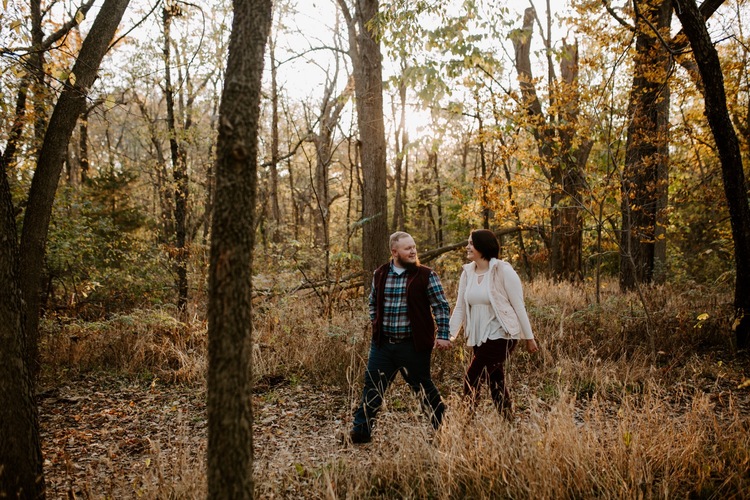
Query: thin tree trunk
x=400 y=138
x=273 y=167
x=517 y=215
x=179 y=168
x=83 y=148
x=432 y=158
x=483 y=183
x=210 y=180
x=405 y=188
x=353 y=168
x=16 y=130
x=70 y=105
x=36 y=63
x=645 y=180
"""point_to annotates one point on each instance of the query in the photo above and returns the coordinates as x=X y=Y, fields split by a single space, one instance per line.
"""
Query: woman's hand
x=531 y=345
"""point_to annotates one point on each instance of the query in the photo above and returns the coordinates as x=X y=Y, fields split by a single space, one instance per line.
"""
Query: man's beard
x=409 y=266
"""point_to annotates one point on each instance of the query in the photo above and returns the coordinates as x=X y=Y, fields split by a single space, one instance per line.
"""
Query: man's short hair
x=398 y=235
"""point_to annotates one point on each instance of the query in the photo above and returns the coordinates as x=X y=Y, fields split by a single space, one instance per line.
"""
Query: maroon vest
x=417 y=306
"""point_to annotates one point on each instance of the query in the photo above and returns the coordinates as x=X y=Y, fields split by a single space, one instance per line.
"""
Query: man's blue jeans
x=382 y=365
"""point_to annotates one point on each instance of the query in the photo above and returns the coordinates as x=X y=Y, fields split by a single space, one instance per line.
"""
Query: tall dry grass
x=641 y=448
x=145 y=342
x=627 y=398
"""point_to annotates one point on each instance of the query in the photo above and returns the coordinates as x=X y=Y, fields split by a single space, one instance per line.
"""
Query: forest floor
x=104 y=437
x=112 y=437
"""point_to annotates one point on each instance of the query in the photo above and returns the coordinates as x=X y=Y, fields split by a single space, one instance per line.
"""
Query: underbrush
x=626 y=398
x=639 y=448
x=144 y=343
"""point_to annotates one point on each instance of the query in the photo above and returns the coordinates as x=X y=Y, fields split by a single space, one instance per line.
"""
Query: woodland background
x=585 y=134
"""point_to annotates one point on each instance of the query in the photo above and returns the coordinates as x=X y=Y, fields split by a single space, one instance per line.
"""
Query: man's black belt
x=396 y=340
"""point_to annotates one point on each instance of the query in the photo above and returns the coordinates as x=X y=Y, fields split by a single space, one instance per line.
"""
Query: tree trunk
x=432 y=159
x=273 y=167
x=161 y=188
x=70 y=105
x=16 y=130
x=364 y=50
x=555 y=141
x=483 y=181
x=645 y=180
x=735 y=183
x=400 y=141
x=230 y=438
x=330 y=113
x=39 y=87
x=179 y=168
x=83 y=143
x=567 y=217
x=20 y=449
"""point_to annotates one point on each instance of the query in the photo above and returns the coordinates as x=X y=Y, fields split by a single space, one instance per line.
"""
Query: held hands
x=442 y=344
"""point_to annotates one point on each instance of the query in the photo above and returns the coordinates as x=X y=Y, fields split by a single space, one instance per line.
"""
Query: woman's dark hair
x=485 y=242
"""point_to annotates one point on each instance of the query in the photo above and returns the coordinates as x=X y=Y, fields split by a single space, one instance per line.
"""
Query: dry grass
x=148 y=343
x=599 y=415
x=642 y=448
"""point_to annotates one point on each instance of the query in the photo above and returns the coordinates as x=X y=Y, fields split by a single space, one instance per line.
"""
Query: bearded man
x=410 y=316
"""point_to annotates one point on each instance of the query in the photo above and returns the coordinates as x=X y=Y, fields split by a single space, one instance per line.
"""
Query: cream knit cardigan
x=506 y=298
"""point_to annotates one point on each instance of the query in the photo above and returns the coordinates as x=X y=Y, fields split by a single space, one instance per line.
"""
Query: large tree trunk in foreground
x=70 y=105
x=735 y=184
x=230 y=439
x=20 y=449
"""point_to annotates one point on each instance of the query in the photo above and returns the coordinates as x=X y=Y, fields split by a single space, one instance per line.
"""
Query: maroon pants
x=489 y=364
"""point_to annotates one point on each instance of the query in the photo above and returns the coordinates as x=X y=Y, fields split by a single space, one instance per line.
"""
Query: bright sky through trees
x=309 y=27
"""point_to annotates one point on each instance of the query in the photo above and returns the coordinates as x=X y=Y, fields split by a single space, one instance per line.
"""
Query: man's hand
x=443 y=344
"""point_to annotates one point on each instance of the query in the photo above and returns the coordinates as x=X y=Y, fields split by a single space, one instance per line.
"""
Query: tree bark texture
x=230 y=441
x=273 y=194
x=432 y=161
x=20 y=449
x=645 y=176
x=364 y=49
x=401 y=139
x=733 y=176
x=567 y=174
x=330 y=114
x=556 y=141
x=70 y=105
x=179 y=167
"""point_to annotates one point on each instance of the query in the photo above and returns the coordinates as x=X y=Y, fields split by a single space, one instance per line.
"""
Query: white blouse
x=481 y=323
x=505 y=296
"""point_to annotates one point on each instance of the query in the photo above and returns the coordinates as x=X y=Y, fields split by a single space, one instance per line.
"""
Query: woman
x=491 y=310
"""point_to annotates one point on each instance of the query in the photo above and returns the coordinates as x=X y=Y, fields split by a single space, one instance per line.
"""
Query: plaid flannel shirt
x=395 y=318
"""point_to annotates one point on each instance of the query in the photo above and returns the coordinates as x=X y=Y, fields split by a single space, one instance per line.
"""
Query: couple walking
x=407 y=307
